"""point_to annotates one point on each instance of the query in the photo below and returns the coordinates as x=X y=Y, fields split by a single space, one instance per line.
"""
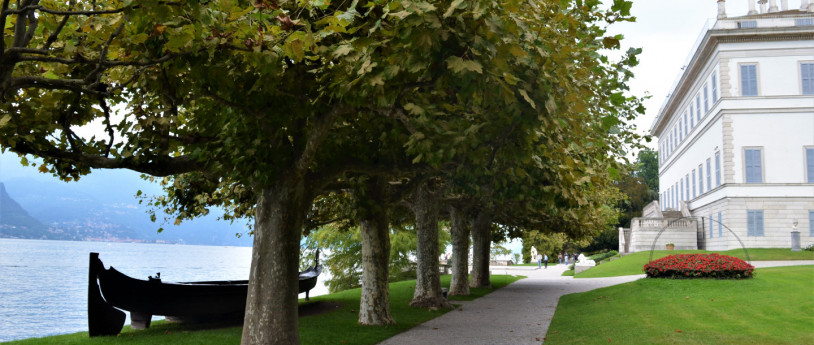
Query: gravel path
x=519 y=313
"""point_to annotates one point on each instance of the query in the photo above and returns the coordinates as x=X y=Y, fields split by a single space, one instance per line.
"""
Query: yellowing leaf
x=43 y=169
x=454 y=5
x=4 y=120
x=527 y=98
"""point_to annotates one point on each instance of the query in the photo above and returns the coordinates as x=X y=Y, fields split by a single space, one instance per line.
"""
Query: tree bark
x=428 y=281
x=271 y=305
x=459 y=230
x=481 y=242
x=374 y=307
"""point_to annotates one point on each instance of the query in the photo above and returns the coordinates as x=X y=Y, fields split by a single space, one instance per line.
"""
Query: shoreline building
x=736 y=137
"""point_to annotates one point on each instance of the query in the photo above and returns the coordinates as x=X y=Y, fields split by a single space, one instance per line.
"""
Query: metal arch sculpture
x=653 y=246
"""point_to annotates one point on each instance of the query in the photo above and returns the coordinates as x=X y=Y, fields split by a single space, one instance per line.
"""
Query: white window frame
x=717 y=168
x=709 y=174
x=694 y=191
x=714 y=87
x=706 y=99
x=701 y=178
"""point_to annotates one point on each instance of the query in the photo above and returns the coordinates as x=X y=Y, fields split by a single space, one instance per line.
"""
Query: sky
x=666 y=31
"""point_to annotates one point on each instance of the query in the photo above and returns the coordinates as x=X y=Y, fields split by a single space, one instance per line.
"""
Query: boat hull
x=185 y=301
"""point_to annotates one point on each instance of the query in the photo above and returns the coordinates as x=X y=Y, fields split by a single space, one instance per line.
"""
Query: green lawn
x=336 y=327
x=633 y=263
x=775 y=307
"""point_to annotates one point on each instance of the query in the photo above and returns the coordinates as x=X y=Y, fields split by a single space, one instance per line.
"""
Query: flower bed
x=699 y=266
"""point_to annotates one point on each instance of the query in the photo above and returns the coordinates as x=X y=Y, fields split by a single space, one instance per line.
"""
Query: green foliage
x=603 y=256
x=343 y=254
x=497 y=249
x=647 y=168
x=695 y=311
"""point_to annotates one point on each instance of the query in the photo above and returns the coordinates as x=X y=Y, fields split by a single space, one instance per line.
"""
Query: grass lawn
x=335 y=327
x=774 y=307
x=633 y=263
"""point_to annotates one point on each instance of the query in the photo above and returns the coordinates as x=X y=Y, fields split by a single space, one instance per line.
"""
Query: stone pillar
x=795 y=241
x=721 y=9
x=752 y=7
x=804 y=5
x=762 y=5
x=772 y=6
x=784 y=5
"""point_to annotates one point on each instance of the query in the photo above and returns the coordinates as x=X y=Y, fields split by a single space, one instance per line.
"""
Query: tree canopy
x=259 y=106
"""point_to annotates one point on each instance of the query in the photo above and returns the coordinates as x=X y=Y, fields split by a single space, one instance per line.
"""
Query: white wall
x=777 y=75
x=782 y=137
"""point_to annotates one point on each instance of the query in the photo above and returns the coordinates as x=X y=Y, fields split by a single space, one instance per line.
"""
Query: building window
x=811 y=223
x=714 y=87
x=748 y=80
x=807 y=78
x=682 y=197
x=717 y=169
x=754 y=222
x=700 y=178
x=680 y=131
x=753 y=165
x=710 y=227
x=693 y=184
x=706 y=99
x=686 y=132
x=698 y=106
x=720 y=225
x=804 y=22
x=810 y=164
x=709 y=174
x=687 y=186
x=692 y=120
x=746 y=24
x=675 y=138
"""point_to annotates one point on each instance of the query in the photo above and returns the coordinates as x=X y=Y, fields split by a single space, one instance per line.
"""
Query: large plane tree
x=257 y=105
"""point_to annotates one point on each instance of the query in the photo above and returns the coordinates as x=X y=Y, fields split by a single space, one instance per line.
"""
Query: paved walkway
x=519 y=313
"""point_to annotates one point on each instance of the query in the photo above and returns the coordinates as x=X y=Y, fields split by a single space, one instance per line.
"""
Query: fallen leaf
x=678 y=331
x=688 y=297
x=166 y=332
x=555 y=332
x=537 y=339
x=462 y=309
x=343 y=342
x=609 y=340
x=435 y=328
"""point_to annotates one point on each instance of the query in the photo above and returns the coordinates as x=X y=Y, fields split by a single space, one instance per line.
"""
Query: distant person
x=559 y=257
x=539 y=261
x=545 y=259
x=574 y=257
x=566 y=258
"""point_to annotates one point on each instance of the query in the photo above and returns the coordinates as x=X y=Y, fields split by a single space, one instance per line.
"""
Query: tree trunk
x=459 y=230
x=374 y=307
x=481 y=241
x=428 y=281
x=271 y=305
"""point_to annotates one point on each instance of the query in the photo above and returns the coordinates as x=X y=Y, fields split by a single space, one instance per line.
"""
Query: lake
x=43 y=284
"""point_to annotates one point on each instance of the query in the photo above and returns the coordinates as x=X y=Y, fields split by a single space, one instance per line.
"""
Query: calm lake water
x=43 y=284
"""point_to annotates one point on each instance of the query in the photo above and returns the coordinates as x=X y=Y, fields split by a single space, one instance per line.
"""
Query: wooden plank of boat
x=110 y=291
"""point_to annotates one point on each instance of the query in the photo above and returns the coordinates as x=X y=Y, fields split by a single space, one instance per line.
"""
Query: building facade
x=736 y=134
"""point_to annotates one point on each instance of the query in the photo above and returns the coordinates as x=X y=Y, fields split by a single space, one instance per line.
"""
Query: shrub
x=699 y=266
x=602 y=256
x=810 y=248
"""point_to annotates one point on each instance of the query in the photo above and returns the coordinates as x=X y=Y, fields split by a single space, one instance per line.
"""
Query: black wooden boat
x=110 y=292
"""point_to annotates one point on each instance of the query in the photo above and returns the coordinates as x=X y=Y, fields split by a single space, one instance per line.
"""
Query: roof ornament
x=721 y=9
x=752 y=9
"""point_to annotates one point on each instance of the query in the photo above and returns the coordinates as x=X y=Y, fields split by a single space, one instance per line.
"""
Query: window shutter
x=754 y=172
x=759 y=223
x=749 y=80
x=750 y=223
x=807 y=74
x=810 y=164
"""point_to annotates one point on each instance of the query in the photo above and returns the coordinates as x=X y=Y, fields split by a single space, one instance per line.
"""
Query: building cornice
x=712 y=39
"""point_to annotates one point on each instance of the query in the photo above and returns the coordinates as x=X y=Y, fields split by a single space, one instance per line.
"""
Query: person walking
x=545 y=259
x=559 y=257
x=539 y=261
x=566 y=258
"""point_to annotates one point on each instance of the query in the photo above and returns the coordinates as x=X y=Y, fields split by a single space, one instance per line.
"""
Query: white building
x=736 y=134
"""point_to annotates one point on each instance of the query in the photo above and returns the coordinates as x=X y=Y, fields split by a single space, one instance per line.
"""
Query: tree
x=259 y=106
x=647 y=168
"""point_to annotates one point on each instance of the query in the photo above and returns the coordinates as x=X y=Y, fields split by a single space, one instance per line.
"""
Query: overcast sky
x=666 y=31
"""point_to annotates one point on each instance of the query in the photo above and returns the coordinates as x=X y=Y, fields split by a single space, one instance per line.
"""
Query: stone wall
x=778 y=215
x=682 y=232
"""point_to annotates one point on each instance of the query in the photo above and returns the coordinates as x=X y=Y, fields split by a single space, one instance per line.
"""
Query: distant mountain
x=103 y=206
x=15 y=222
